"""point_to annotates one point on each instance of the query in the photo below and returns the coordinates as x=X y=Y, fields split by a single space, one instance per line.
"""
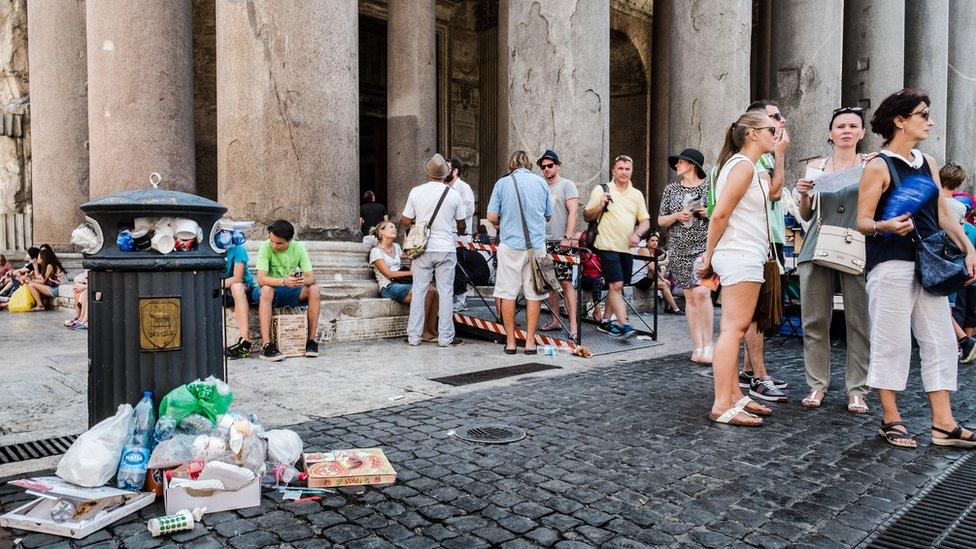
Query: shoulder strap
x=769 y=235
x=437 y=208
x=606 y=189
x=892 y=171
x=525 y=228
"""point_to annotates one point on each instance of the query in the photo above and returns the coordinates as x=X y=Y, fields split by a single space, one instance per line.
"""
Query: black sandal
x=511 y=351
x=895 y=437
x=954 y=437
x=532 y=351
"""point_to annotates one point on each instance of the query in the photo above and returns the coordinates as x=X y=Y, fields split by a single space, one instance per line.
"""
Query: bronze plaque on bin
x=159 y=324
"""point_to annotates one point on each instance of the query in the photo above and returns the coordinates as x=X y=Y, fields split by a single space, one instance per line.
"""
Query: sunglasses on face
x=923 y=113
x=772 y=129
x=546 y=166
x=776 y=116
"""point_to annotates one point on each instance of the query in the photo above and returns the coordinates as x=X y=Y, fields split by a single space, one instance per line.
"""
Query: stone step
x=344 y=320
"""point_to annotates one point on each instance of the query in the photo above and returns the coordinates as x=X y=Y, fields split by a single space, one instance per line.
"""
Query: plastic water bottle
x=549 y=350
x=164 y=430
x=135 y=455
x=695 y=277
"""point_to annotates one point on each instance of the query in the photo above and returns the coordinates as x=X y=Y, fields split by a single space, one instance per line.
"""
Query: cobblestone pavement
x=620 y=455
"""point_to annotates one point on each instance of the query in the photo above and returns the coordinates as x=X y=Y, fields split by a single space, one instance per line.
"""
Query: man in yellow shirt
x=622 y=217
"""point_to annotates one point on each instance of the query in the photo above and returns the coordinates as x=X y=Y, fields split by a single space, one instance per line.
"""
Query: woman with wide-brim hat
x=683 y=212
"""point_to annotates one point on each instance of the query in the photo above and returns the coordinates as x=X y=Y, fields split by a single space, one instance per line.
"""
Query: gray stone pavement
x=44 y=389
x=620 y=455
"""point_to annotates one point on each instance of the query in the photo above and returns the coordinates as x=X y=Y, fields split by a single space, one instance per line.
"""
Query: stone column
x=554 y=85
x=288 y=114
x=709 y=66
x=926 y=64
x=807 y=58
x=411 y=98
x=961 y=123
x=874 y=50
x=140 y=94
x=59 y=119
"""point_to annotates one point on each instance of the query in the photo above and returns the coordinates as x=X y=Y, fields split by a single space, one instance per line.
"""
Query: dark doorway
x=372 y=107
x=628 y=108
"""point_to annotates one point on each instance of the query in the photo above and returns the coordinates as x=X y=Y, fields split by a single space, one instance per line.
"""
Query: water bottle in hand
x=135 y=454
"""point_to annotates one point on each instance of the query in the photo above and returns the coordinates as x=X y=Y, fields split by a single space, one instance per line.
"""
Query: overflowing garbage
x=200 y=456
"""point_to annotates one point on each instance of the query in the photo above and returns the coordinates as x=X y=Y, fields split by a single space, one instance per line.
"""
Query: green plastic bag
x=209 y=398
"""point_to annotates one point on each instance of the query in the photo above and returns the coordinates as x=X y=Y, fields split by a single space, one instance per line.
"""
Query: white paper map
x=834 y=181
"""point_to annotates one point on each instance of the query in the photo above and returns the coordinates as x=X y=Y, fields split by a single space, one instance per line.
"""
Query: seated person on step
x=386 y=259
x=285 y=279
x=241 y=292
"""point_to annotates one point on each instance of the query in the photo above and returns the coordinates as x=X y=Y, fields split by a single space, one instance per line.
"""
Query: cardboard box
x=179 y=498
x=107 y=505
x=356 y=467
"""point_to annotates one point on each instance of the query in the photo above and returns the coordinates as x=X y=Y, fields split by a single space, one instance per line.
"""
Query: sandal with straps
x=894 y=437
x=954 y=437
x=730 y=417
x=857 y=405
x=812 y=401
x=696 y=355
x=745 y=401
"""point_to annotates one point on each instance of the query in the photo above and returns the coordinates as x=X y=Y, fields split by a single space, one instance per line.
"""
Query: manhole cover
x=490 y=434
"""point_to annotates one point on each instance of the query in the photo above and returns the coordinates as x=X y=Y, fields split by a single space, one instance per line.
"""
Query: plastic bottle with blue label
x=135 y=454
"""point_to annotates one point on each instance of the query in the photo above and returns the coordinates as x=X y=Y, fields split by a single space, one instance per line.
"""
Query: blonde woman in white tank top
x=738 y=241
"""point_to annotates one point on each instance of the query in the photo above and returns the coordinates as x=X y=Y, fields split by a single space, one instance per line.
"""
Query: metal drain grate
x=943 y=515
x=490 y=433
x=36 y=449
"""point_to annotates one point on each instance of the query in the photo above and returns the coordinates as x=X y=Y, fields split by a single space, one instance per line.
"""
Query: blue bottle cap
x=147 y=394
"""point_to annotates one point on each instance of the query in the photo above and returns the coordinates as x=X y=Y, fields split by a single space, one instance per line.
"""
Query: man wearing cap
x=519 y=206
x=623 y=217
x=564 y=197
x=440 y=256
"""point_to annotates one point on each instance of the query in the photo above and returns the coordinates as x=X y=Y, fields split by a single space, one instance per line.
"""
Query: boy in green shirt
x=285 y=279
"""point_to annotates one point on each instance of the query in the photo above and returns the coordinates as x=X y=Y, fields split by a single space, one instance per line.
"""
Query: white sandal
x=696 y=355
x=857 y=405
x=729 y=417
x=812 y=401
x=746 y=401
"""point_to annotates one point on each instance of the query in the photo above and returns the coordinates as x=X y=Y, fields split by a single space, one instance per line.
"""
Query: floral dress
x=685 y=244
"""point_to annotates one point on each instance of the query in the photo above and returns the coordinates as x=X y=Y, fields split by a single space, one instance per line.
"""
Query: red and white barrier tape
x=497 y=328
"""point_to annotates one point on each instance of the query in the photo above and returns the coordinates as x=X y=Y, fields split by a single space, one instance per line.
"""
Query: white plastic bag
x=284 y=445
x=94 y=457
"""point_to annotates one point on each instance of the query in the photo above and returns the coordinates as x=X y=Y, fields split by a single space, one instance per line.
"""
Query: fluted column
x=59 y=121
x=708 y=75
x=140 y=94
x=961 y=123
x=926 y=64
x=554 y=84
x=874 y=54
x=288 y=114
x=807 y=57
x=411 y=97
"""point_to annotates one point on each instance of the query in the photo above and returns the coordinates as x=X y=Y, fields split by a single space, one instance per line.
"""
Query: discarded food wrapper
x=284 y=445
x=231 y=476
x=356 y=467
x=582 y=351
x=183 y=520
x=80 y=511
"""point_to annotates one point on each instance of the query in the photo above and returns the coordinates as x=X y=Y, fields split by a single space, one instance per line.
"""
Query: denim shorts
x=285 y=296
x=397 y=291
x=55 y=290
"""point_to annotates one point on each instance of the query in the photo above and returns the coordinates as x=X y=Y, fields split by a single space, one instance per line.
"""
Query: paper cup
x=143 y=238
x=142 y=223
x=163 y=243
x=185 y=229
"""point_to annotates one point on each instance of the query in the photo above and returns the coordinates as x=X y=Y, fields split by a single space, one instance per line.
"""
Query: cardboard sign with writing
x=159 y=324
x=289 y=331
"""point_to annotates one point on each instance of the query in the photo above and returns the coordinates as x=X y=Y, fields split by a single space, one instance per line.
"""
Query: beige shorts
x=515 y=273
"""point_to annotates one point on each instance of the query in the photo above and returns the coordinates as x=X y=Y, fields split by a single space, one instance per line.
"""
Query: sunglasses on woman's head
x=923 y=113
x=845 y=110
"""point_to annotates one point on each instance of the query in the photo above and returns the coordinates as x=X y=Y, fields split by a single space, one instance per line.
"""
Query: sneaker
x=241 y=349
x=765 y=389
x=271 y=353
x=745 y=380
x=967 y=350
x=608 y=327
x=779 y=383
x=311 y=348
x=456 y=342
x=624 y=331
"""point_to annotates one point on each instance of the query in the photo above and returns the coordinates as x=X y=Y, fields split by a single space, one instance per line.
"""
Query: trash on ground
x=68 y=510
x=94 y=457
x=183 y=520
x=360 y=466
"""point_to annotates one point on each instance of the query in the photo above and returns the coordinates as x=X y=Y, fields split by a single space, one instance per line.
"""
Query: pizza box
x=356 y=467
x=104 y=506
x=178 y=498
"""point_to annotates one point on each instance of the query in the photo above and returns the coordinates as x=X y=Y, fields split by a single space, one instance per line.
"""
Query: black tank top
x=891 y=247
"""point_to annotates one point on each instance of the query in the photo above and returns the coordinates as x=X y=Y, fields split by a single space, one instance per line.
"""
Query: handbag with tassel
x=769 y=308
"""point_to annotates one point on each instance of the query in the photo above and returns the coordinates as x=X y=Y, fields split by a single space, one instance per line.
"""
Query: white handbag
x=838 y=248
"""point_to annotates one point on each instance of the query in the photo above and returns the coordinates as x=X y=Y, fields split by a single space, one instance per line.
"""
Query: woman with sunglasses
x=897 y=304
x=817 y=282
x=737 y=248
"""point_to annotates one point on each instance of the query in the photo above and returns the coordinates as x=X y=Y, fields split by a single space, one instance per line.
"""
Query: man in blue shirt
x=514 y=253
x=239 y=280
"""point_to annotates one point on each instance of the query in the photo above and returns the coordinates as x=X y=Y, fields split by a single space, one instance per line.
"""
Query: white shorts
x=733 y=266
x=515 y=273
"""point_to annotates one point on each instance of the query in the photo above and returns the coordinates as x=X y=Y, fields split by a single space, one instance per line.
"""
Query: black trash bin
x=155 y=319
